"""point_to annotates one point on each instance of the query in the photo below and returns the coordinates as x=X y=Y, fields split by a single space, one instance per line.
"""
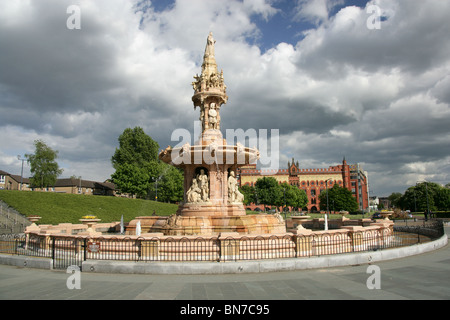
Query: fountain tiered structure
x=212 y=201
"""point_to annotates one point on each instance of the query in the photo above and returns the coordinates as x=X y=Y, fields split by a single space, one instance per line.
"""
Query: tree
x=132 y=179
x=169 y=184
x=43 y=165
x=442 y=199
x=395 y=199
x=424 y=196
x=294 y=196
x=249 y=194
x=136 y=162
x=135 y=147
x=269 y=192
x=339 y=198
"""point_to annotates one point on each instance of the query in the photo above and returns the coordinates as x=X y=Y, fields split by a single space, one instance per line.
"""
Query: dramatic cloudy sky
x=333 y=80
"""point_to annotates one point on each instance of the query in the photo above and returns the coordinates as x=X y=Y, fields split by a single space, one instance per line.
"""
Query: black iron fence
x=66 y=251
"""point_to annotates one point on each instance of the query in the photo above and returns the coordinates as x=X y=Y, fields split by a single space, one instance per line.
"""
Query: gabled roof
x=15 y=177
x=67 y=182
x=71 y=182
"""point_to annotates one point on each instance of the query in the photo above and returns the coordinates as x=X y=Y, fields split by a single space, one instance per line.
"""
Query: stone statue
x=172 y=221
x=203 y=183
x=209 y=51
x=213 y=123
x=279 y=217
x=202 y=118
x=197 y=83
x=194 y=193
x=234 y=195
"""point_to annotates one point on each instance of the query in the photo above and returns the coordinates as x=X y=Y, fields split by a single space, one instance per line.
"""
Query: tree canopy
x=294 y=196
x=135 y=148
x=339 y=199
x=139 y=172
x=169 y=186
x=423 y=196
x=269 y=192
x=43 y=166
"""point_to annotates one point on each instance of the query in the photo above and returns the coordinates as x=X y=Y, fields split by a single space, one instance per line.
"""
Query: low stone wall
x=70 y=229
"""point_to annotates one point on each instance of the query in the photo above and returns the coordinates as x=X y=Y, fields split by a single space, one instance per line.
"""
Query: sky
x=364 y=80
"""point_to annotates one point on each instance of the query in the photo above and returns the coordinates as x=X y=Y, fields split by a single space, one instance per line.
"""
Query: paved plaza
x=424 y=276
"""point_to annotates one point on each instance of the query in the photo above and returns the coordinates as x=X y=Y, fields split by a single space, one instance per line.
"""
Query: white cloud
x=379 y=97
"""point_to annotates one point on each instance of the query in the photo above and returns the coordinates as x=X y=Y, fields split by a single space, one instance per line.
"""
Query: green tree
x=339 y=198
x=395 y=199
x=43 y=165
x=132 y=179
x=294 y=196
x=169 y=185
x=269 y=192
x=136 y=162
x=425 y=195
x=135 y=147
x=442 y=199
x=249 y=194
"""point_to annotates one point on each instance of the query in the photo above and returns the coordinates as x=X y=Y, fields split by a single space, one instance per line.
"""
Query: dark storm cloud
x=378 y=97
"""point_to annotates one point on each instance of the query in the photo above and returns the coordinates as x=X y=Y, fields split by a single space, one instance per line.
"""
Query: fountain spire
x=209 y=89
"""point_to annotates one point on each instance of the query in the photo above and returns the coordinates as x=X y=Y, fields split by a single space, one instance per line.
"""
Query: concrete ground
x=424 y=276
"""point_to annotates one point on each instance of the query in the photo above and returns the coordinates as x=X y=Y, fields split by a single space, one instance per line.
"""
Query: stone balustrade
x=225 y=246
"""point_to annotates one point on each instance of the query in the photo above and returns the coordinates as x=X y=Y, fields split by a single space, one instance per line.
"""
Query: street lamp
x=326 y=215
x=428 y=204
x=284 y=208
x=21 y=172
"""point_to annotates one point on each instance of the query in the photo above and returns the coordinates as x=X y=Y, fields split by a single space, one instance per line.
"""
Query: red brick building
x=314 y=181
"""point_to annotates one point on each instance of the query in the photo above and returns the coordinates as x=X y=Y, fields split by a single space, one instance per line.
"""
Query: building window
x=2 y=179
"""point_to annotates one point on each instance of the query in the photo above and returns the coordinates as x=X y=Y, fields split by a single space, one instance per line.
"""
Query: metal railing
x=73 y=250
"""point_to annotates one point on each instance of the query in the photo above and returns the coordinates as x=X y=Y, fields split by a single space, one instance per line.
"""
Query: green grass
x=57 y=208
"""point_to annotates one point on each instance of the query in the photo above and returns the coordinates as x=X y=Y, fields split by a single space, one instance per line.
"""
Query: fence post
x=229 y=246
x=150 y=248
x=53 y=248
x=84 y=249
x=303 y=242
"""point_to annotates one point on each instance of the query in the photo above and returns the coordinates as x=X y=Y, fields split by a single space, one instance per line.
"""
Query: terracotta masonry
x=212 y=201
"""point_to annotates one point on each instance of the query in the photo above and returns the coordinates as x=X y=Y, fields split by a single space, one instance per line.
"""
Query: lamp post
x=326 y=215
x=284 y=208
x=428 y=204
x=21 y=172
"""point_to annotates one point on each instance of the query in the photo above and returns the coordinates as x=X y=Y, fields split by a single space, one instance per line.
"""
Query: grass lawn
x=57 y=208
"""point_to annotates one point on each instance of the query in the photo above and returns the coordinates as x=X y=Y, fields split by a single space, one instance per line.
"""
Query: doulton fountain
x=212 y=201
x=211 y=223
